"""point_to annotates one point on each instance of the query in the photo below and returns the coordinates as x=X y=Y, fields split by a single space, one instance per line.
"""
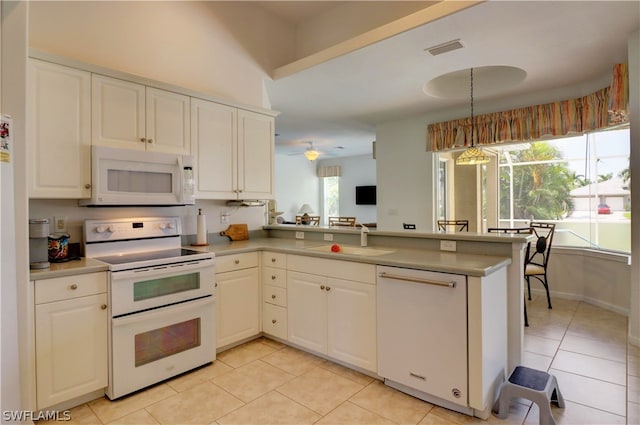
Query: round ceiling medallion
x=487 y=80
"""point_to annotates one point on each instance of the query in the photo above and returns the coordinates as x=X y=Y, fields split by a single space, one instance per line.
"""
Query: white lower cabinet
x=331 y=315
x=71 y=337
x=238 y=298
x=274 y=294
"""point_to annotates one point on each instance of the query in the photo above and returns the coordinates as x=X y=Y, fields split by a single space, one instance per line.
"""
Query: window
x=331 y=198
x=580 y=183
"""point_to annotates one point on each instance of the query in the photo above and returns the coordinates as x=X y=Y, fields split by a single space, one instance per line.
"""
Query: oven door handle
x=161 y=312
x=178 y=268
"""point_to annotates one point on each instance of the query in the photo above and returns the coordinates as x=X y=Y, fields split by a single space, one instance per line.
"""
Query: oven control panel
x=131 y=228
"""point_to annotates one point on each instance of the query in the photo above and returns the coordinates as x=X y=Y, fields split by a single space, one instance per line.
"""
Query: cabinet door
x=255 y=152
x=213 y=132
x=351 y=330
x=167 y=122
x=71 y=348
x=59 y=129
x=117 y=113
x=238 y=309
x=307 y=311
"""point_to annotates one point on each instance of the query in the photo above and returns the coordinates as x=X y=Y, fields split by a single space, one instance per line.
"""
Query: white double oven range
x=161 y=300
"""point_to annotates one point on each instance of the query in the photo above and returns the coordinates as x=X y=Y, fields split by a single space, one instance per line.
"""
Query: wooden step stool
x=535 y=385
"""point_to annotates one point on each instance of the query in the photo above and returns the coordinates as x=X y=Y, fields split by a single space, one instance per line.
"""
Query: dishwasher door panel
x=422 y=331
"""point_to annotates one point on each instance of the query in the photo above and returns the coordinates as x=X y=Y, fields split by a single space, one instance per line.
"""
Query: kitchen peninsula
x=280 y=274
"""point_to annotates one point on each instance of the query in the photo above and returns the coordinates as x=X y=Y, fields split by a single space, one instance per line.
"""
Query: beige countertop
x=70 y=268
x=440 y=261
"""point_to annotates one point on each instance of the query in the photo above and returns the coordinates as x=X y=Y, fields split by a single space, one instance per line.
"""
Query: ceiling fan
x=310 y=153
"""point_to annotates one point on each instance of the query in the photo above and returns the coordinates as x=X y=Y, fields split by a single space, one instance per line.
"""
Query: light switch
x=60 y=223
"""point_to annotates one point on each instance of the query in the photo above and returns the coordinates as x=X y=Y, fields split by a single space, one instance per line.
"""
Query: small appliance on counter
x=58 y=247
x=38 y=243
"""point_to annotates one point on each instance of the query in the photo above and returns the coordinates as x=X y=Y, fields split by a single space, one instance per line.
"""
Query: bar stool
x=532 y=384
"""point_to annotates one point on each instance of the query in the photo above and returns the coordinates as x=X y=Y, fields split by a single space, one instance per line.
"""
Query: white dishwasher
x=422 y=335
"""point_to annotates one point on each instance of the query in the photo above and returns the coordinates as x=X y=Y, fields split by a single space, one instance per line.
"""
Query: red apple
x=335 y=248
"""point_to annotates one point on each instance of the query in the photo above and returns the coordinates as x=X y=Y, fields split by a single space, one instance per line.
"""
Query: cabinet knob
x=273 y=297
x=73 y=287
x=273 y=260
x=215 y=285
x=328 y=288
x=237 y=261
x=87 y=186
x=273 y=277
x=103 y=306
x=149 y=140
x=143 y=140
x=273 y=321
x=322 y=287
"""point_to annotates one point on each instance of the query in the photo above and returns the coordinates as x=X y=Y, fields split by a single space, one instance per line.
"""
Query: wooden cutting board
x=236 y=232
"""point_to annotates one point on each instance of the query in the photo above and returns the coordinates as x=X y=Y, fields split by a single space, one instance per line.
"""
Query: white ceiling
x=558 y=44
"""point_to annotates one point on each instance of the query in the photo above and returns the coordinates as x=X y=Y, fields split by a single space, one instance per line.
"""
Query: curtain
x=329 y=171
x=595 y=111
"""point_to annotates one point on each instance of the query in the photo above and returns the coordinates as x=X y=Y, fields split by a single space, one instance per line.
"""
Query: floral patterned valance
x=605 y=107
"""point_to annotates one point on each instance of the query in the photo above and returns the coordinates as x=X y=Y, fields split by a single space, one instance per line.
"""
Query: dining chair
x=342 y=221
x=312 y=220
x=516 y=230
x=457 y=225
x=537 y=259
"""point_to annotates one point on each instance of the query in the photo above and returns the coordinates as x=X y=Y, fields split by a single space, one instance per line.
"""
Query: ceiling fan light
x=311 y=155
x=472 y=156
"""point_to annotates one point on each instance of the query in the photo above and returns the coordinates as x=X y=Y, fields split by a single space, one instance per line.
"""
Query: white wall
x=356 y=171
x=218 y=48
x=634 y=117
x=404 y=176
x=346 y=21
x=602 y=279
x=13 y=222
x=296 y=183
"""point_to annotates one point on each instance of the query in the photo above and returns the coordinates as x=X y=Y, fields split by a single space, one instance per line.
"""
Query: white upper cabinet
x=167 y=124
x=214 y=133
x=131 y=116
x=234 y=150
x=255 y=155
x=59 y=131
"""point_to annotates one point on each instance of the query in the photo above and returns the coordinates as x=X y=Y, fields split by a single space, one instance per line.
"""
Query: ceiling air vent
x=445 y=47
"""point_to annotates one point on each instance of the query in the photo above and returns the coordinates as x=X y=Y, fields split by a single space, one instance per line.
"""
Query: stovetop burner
x=137 y=257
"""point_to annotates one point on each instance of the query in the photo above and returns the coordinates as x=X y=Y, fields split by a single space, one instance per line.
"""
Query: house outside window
x=581 y=183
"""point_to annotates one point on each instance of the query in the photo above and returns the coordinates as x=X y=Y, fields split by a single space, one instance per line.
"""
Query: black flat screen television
x=365 y=195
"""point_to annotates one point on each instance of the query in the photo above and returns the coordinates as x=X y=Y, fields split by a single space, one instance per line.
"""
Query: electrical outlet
x=60 y=223
x=447 y=245
x=299 y=235
x=328 y=236
x=224 y=218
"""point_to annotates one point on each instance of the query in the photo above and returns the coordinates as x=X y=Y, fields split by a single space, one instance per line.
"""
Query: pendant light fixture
x=472 y=155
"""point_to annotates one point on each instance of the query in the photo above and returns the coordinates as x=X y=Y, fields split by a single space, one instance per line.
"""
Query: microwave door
x=122 y=177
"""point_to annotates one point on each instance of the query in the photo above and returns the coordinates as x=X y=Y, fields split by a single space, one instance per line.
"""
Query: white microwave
x=122 y=177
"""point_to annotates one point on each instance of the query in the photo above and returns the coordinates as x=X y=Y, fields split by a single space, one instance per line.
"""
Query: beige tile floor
x=265 y=382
